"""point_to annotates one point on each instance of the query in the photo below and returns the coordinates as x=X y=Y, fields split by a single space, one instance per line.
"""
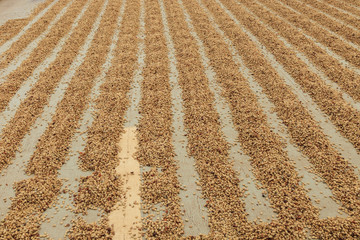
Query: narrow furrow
x=14 y=26
x=14 y=81
x=342 y=115
x=39 y=95
x=337 y=30
x=29 y=215
x=337 y=8
x=71 y=109
x=335 y=13
x=220 y=186
x=331 y=227
x=104 y=187
x=101 y=150
x=53 y=145
x=126 y=218
x=341 y=60
x=16 y=100
x=341 y=144
x=334 y=226
x=346 y=6
x=350 y=53
x=12 y=61
x=337 y=27
x=36 y=31
x=320 y=193
x=195 y=219
x=305 y=132
x=310 y=65
x=70 y=171
x=347 y=79
x=241 y=162
x=15 y=45
x=259 y=142
x=155 y=147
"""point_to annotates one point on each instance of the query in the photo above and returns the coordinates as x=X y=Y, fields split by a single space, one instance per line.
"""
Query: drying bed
x=157 y=119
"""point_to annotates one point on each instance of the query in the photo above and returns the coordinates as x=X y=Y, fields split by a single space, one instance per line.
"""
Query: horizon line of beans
x=218 y=180
x=335 y=13
x=348 y=52
x=304 y=131
x=39 y=95
x=40 y=201
x=265 y=148
x=30 y=35
x=17 y=77
x=101 y=151
x=347 y=79
x=343 y=116
x=12 y=27
x=155 y=147
x=323 y=20
x=321 y=226
x=343 y=6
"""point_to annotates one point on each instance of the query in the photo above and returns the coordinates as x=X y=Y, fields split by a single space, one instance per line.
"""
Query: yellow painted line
x=126 y=219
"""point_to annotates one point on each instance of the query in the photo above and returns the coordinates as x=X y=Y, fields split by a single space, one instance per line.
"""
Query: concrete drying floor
x=258 y=182
x=15 y=9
